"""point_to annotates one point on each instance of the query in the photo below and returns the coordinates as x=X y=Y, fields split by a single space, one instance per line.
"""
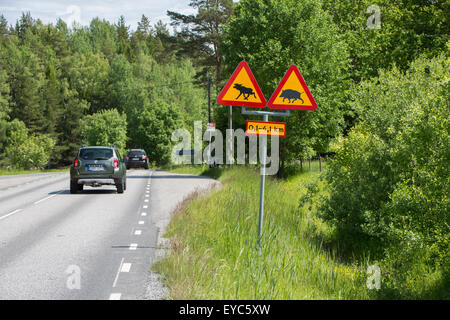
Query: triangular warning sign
x=292 y=93
x=242 y=89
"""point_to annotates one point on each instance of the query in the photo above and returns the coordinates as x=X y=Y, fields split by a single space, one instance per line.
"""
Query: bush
x=389 y=182
x=24 y=151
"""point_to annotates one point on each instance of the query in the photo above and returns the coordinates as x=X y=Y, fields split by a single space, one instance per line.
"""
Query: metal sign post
x=265 y=115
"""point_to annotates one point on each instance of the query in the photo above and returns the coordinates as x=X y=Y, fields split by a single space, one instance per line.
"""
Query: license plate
x=96 y=168
x=135 y=159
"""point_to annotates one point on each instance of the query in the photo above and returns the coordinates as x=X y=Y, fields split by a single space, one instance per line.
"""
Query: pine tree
x=201 y=33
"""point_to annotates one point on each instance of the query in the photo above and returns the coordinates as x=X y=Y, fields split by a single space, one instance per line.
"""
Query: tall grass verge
x=215 y=254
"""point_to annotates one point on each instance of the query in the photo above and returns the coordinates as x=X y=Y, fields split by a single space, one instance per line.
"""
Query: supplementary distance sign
x=266 y=128
x=242 y=89
x=292 y=93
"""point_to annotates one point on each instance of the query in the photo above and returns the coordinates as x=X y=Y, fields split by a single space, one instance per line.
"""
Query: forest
x=378 y=70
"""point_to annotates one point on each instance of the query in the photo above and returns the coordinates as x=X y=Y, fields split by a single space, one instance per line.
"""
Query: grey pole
x=263 y=182
x=265 y=115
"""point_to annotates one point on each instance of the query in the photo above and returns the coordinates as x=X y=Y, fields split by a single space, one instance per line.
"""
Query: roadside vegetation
x=302 y=256
x=221 y=259
x=6 y=172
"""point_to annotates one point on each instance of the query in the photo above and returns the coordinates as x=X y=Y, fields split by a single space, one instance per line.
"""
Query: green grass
x=214 y=244
x=5 y=172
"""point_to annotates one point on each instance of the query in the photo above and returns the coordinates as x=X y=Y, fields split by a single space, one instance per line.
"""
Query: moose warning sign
x=292 y=93
x=242 y=89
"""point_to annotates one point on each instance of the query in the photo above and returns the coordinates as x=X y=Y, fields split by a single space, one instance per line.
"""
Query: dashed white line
x=145 y=207
x=10 y=214
x=46 y=198
x=133 y=246
x=141 y=222
x=115 y=296
x=126 y=267
x=117 y=274
x=143 y=214
x=137 y=232
x=146 y=200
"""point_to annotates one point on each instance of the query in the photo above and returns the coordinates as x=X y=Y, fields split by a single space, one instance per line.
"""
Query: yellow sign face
x=295 y=96
x=263 y=128
x=242 y=89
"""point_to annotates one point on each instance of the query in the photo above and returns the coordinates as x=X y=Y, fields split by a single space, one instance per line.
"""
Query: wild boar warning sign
x=292 y=93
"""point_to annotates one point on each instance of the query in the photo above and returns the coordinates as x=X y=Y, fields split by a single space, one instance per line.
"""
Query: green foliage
x=389 y=182
x=52 y=77
x=407 y=29
x=222 y=260
x=201 y=33
x=4 y=95
x=105 y=128
x=24 y=150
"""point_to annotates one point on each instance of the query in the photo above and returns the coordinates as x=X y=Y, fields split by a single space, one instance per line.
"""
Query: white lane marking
x=146 y=195
x=146 y=200
x=115 y=296
x=133 y=246
x=143 y=214
x=145 y=207
x=117 y=274
x=137 y=232
x=46 y=198
x=10 y=214
x=141 y=222
x=126 y=267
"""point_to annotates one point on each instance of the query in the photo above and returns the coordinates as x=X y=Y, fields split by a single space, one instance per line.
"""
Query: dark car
x=136 y=158
x=98 y=166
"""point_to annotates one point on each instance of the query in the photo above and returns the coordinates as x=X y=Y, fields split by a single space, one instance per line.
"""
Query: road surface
x=94 y=245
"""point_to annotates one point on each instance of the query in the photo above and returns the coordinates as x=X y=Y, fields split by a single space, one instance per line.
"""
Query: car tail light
x=76 y=164
x=144 y=157
x=116 y=163
x=126 y=158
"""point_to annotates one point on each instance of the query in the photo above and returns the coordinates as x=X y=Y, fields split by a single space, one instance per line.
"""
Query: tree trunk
x=320 y=163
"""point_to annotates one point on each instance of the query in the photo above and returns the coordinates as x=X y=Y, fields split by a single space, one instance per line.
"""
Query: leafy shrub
x=24 y=151
x=389 y=181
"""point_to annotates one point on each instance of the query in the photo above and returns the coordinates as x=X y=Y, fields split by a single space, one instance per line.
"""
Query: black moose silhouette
x=246 y=92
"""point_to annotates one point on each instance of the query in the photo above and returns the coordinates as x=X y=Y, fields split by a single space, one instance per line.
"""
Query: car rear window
x=96 y=154
x=135 y=153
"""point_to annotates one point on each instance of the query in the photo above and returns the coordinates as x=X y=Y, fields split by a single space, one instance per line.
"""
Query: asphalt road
x=94 y=245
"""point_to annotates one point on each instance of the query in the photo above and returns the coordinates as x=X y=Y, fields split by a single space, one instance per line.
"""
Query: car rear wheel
x=74 y=188
x=120 y=186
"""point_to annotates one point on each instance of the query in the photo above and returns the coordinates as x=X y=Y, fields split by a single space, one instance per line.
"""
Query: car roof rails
x=83 y=145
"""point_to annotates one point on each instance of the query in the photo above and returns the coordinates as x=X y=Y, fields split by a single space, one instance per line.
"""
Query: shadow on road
x=86 y=191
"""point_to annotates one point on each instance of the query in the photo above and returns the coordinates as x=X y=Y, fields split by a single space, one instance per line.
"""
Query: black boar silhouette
x=246 y=92
x=291 y=95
